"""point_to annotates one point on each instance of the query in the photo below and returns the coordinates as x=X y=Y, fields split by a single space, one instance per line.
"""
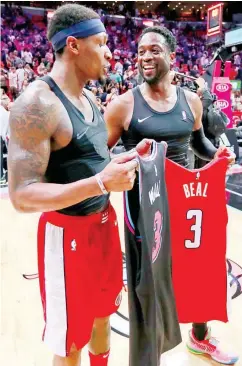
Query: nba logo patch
x=73 y=245
x=184 y=115
x=118 y=299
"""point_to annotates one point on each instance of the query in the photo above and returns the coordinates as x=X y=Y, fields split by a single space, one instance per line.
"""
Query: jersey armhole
x=183 y=96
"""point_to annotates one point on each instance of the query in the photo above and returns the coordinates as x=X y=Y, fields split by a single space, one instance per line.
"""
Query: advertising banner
x=222 y=88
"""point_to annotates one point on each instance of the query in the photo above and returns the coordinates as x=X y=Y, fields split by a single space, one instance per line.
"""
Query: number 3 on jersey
x=197 y=228
x=157 y=235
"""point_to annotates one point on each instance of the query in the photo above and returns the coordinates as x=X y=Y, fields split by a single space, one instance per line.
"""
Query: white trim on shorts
x=54 y=276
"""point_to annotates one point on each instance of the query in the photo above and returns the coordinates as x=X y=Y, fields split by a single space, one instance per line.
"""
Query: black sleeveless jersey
x=85 y=155
x=174 y=127
x=154 y=326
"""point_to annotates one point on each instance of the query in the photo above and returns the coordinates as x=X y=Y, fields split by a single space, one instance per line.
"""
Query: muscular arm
x=118 y=115
x=33 y=121
x=200 y=144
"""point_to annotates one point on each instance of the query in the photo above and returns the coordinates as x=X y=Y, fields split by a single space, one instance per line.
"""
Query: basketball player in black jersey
x=59 y=164
x=161 y=111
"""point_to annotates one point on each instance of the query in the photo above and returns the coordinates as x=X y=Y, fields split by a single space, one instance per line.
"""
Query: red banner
x=222 y=88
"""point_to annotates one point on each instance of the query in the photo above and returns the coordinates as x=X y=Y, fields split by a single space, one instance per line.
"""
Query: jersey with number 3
x=154 y=326
x=198 y=219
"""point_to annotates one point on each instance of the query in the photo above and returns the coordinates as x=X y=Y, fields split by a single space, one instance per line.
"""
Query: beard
x=155 y=79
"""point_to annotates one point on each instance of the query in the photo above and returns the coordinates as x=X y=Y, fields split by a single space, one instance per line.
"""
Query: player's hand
x=224 y=151
x=119 y=175
x=144 y=147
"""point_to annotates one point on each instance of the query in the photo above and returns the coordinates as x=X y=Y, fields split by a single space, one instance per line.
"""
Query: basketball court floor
x=21 y=311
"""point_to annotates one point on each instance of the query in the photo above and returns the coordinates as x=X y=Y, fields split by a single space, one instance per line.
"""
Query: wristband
x=100 y=183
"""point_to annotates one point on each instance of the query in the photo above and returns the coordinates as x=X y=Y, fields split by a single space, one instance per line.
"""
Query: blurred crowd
x=27 y=55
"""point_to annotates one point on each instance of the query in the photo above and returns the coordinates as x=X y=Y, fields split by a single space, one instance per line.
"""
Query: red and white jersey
x=198 y=219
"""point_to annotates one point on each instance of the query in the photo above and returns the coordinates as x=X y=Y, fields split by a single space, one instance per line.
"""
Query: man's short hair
x=66 y=16
x=169 y=37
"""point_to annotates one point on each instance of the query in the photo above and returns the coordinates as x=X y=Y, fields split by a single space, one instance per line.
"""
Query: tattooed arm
x=34 y=120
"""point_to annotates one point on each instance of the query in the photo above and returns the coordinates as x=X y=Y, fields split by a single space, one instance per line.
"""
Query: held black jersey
x=85 y=155
x=174 y=126
x=154 y=327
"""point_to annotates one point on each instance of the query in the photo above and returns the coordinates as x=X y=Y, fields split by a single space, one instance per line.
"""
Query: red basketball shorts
x=80 y=273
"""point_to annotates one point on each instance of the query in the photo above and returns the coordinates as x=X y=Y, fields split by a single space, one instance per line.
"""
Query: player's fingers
x=223 y=148
x=131 y=173
x=231 y=159
x=130 y=165
x=123 y=158
x=131 y=176
x=222 y=151
x=144 y=147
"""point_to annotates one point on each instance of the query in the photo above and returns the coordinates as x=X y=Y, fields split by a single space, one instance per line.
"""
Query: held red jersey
x=198 y=219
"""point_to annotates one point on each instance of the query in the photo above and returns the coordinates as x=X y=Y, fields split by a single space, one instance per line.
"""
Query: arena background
x=27 y=55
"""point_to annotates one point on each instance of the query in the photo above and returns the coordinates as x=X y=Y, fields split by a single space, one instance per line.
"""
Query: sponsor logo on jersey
x=80 y=135
x=222 y=104
x=143 y=119
x=222 y=87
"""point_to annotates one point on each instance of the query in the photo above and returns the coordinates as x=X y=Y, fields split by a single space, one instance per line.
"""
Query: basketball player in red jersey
x=59 y=164
x=161 y=111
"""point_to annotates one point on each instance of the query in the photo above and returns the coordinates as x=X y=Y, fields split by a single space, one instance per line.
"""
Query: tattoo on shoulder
x=32 y=119
x=31 y=125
